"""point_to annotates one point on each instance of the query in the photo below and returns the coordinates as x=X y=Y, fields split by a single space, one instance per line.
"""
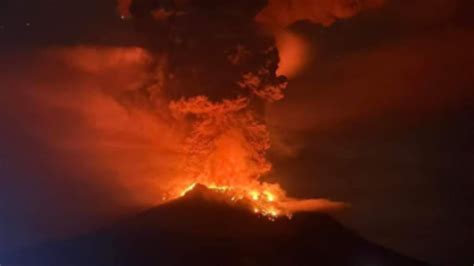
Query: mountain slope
x=199 y=229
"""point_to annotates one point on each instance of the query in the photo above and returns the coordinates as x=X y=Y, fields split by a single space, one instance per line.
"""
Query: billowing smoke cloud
x=116 y=126
x=283 y=13
x=188 y=107
x=421 y=76
x=295 y=52
x=170 y=111
x=220 y=83
x=276 y=13
x=85 y=139
x=95 y=104
x=139 y=121
x=274 y=16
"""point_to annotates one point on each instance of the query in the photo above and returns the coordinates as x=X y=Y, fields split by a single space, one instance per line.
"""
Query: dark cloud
x=284 y=13
x=381 y=114
x=419 y=76
x=203 y=38
x=380 y=118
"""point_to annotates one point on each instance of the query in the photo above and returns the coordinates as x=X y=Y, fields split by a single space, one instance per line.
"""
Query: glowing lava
x=225 y=151
x=264 y=200
x=267 y=200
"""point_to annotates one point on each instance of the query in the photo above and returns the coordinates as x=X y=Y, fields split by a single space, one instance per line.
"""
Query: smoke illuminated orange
x=226 y=141
x=226 y=151
x=294 y=53
x=160 y=147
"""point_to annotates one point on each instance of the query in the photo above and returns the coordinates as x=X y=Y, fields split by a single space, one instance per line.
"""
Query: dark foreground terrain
x=196 y=230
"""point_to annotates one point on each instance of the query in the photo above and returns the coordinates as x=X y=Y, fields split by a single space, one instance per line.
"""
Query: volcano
x=202 y=229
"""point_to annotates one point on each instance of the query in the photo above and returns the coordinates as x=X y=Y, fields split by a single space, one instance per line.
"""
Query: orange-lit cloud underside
x=149 y=147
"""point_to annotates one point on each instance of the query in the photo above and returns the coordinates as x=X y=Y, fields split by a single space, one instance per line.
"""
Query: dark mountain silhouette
x=201 y=229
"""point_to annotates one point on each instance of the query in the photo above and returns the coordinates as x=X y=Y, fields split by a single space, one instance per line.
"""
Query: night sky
x=381 y=118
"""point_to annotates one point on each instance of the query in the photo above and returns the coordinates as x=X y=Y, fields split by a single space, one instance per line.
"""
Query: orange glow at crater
x=262 y=200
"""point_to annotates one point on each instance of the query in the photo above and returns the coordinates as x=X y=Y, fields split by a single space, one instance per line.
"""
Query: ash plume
x=92 y=131
x=222 y=68
x=295 y=51
x=186 y=107
x=219 y=82
x=283 y=13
